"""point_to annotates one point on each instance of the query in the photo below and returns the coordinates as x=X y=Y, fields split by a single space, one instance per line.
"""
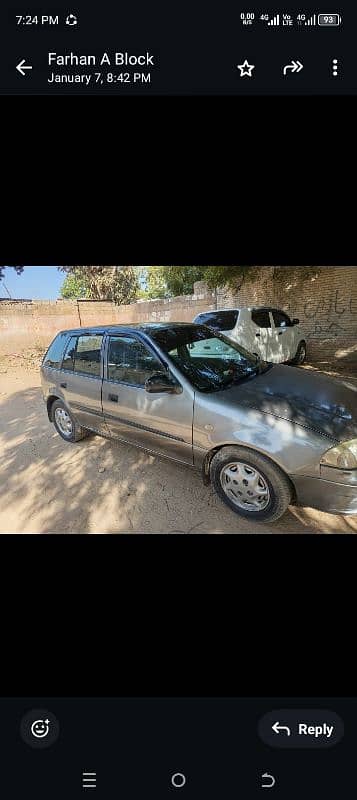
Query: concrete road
x=99 y=486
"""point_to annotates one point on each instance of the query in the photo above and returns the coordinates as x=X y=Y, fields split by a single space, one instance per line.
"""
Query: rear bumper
x=335 y=498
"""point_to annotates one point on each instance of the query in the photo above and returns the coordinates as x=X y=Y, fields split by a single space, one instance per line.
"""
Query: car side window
x=53 y=357
x=130 y=361
x=281 y=320
x=261 y=318
x=87 y=355
x=69 y=353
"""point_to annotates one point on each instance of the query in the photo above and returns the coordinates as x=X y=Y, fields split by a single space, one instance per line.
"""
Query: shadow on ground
x=98 y=485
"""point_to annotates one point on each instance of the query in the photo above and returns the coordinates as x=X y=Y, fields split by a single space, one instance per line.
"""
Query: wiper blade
x=239 y=378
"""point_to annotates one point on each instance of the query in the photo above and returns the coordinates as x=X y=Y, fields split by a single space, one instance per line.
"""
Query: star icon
x=246 y=69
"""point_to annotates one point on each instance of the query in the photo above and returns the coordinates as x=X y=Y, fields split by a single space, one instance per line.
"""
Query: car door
x=283 y=336
x=261 y=333
x=80 y=379
x=160 y=422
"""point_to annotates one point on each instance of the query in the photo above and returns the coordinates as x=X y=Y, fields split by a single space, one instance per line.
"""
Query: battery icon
x=329 y=19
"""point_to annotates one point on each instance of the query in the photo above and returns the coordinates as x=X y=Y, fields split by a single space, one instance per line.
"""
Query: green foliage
x=172 y=281
x=157 y=282
x=74 y=286
x=227 y=276
x=180 y=280
x=125 y=284
x=118 y=284
x=153 y=283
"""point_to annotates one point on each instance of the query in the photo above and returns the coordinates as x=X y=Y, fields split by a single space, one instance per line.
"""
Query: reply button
x=290 y=728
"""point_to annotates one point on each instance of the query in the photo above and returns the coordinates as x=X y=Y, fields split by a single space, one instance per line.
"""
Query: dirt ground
x=101 y=486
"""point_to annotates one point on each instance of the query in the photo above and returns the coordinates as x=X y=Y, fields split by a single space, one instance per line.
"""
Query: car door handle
x=63 y=385
x=280 y=333
x=113 y=398
x=257 y=334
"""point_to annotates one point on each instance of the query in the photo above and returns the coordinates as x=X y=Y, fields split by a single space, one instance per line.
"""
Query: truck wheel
x=250 y=484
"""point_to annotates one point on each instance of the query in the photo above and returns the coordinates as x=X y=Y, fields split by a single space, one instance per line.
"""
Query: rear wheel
x=65 y=424
x=250 y=484
x=300 y=355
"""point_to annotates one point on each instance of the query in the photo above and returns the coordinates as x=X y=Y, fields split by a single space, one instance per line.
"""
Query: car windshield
x=209 y=360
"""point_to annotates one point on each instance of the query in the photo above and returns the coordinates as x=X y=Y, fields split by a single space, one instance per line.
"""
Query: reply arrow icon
x=22 y=66
x=277 y=728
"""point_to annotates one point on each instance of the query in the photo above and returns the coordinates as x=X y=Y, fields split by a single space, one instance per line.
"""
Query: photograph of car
x=267 y=332
x=265 y=435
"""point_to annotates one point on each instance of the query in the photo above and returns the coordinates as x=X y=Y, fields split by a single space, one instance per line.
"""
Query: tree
x=153 y=283
x=230 y=276
x=74 y=286
x=18 y=270
x=171 y=281
x=118 y=284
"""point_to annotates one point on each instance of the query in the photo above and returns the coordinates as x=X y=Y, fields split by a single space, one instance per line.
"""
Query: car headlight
x=344 y=456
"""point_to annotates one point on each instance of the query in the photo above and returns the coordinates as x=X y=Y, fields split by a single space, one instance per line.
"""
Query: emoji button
x=39 y=728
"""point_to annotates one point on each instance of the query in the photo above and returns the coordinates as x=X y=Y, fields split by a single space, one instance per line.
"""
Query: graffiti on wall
x=327 y=331
x=328 y=314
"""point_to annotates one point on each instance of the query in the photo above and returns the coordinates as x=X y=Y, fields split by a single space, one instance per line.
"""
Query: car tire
x=300 y=355
x=274 y=491
x=63 y=419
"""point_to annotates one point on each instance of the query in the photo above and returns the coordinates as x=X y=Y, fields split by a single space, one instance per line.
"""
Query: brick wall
x=325 y=302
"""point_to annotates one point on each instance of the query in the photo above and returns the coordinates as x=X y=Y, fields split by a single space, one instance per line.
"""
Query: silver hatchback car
x=265 y=435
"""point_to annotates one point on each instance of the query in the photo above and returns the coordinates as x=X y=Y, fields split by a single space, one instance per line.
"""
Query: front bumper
x=330 y=496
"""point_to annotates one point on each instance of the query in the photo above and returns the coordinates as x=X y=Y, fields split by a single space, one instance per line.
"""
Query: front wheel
x=250 y=484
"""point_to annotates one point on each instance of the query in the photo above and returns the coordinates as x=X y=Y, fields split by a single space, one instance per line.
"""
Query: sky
x=34 y=283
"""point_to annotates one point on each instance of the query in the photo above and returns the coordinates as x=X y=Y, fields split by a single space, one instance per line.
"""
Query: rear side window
x=53 y=357
x=261 y=318
x=87 y=356
x=68 y=358
x=281 y=320
x=219 y=320
x=83 y=355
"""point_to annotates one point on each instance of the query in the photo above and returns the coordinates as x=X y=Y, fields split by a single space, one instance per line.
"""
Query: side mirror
x=161 y=382
x=296 y=321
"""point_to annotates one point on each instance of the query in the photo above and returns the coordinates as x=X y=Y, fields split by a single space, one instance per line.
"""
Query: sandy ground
x=100 y=486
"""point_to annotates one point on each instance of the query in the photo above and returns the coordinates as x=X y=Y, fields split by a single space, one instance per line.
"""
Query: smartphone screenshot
x=177 y=747
x=178 y=49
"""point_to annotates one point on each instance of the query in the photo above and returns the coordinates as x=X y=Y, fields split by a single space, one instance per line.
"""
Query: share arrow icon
x=295 y=66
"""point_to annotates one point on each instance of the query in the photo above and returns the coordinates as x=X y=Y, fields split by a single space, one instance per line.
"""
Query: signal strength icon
x=274 y=20
x=311 y=20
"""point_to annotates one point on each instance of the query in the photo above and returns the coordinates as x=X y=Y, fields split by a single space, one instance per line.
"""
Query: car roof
x=144 y=327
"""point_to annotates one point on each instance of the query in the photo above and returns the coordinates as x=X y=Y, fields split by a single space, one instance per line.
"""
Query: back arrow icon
x=277 y=728
x=295 y=66
x=268 y=781
x=21 y=67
